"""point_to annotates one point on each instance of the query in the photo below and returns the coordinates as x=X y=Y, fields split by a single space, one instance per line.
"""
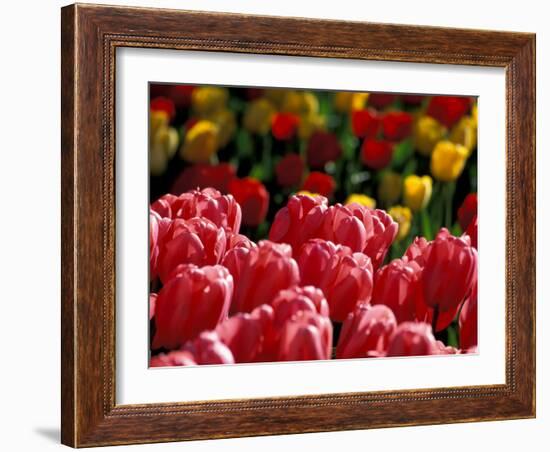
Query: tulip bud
x=307 y=336
x=412 y=339
x=365 y=123
x=309 y=124
x=427 y=133
x=226 y=122
x=417 y=192
x=163 y=142
x=376 y=154
x=260 y=273
x=346 y=278
x=381 y=100
x=258 y=116
x=465 y=133
x=203 y=175
x=448 y=275
x=194 y=300
x=207 y=348
x=396 y=286
x=448 y=160
x=208 y=99
x=322 y=147
x=366 y=332
x=299 y=220
x=389 y=189
x=346 y=101
x=200 y=142
x=321 y=183
x=363 y=200
x=467 y=211
x=290 y=170
x=196 y=241
x=403 y=217
x=284 y=126
x=397 y=125
x=253 y=198
x=448 y=109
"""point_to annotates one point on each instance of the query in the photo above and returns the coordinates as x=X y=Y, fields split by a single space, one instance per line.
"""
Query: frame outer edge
x=68 y=242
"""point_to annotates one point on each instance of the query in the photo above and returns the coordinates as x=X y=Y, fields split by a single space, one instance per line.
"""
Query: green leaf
x=426 y=225
x=244 y=143
x=402 y=152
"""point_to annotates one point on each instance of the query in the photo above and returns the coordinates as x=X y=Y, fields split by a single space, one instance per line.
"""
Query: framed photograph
x=281 y=225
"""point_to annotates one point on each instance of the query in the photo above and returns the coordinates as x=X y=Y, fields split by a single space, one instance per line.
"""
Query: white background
x=29 y=382
x=137 y=384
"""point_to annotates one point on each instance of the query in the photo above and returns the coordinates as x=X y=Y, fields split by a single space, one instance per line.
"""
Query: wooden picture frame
x=90 y=36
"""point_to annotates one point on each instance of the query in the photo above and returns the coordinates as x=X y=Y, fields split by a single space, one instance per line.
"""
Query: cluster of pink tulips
x=318 y=289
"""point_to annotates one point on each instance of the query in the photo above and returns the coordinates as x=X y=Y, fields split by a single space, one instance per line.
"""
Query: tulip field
x=292 y=225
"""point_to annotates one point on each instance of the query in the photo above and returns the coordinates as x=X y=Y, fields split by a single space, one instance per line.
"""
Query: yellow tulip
x=474 y=113
x=465 y=133
x=389 y=189
x=346 y=102
x=225 y=120
x=403 y=217
x=427 y=132
x=163 y=142
x=309 y=124
x=364 y=200
x=417 y=191
x=208 y=99
x=258 y=115
x=200 y=142
x=448 y=160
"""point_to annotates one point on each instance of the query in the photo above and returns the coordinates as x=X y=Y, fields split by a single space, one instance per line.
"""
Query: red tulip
x=360 y=228
x=196 y=241
x=202 y=175
x=195 y=299
x=320 y=183
x=376 y=154
x=299 y=220
x=396 y=286
x=448 y=109
x=322 y=147
x=290 y=170
x=366 y=332
x=245 y=334
x=448 y=275
x=208 y=203
x=307 y=336
x=467 y=321
x=467 y=211
x=253 y=198
x=175 y=358
x=260 y=273
x=152 y=305
x=365 y=123
x=164 y=104
x=471 y=232
x=412 y=339
x=381 y=100
x=284 y=125
x=397 y=125
x=207 y=348
x=344 y=277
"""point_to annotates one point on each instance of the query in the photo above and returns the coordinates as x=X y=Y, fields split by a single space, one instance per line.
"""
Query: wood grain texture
x=90 y=36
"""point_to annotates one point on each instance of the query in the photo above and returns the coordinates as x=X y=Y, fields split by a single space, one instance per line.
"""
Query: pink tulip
x=344 y=277
x=299 y=220
x=237 y=241
x=366 y=332
x=448 y=275
x=222 y=210
x=196 y=241
x=307 y=336
x=445 y=349
x=175 y=358
x=207 y=348
x=260 y=273
x=467 y=321
x=417 y=251
x=362 y=229
x=157 y=230
x=193 y=300
x=412 y=339
x=396 y=286
x=245 y=334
